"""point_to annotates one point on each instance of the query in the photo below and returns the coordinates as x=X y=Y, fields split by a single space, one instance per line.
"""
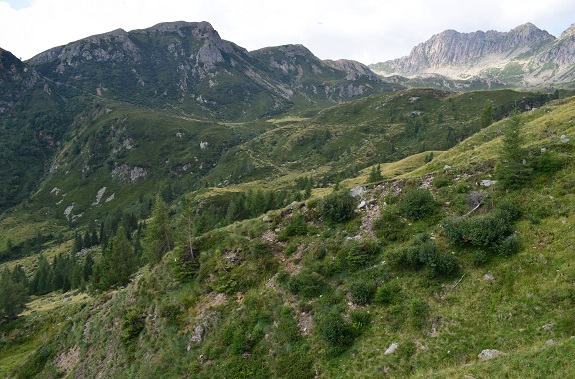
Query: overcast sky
x=369 y=31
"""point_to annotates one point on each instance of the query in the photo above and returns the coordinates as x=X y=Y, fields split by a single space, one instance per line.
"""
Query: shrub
x=362 y=291
x=296 y=226
x=388 y=292
x=480 y=257
x=338 y=206
x=389 y=226
x=307 y=284
x=482 y=231
x=418 y=310
x=509 y=246
x=547 y=163
x=131 y=324
x=426 y=254
x=417 y=204
x=360 y=255
x=359 y=320
x=335 y=330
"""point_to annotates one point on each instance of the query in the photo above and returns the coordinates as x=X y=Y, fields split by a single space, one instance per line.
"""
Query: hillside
x=314 y=290
x=526 y=56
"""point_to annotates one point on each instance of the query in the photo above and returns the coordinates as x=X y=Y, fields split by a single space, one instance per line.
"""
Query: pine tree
x=158 y=236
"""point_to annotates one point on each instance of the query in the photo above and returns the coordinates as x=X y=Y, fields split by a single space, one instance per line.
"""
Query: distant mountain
x=526 y=56
x=187 y=66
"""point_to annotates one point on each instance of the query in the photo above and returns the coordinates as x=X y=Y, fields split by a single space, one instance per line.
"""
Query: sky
x=368 y=31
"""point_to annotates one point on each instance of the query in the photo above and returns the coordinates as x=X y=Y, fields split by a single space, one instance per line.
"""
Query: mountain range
x=188 y=67
x=526 y=57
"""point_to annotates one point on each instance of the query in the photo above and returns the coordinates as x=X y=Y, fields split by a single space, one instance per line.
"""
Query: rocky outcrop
x=16 y=79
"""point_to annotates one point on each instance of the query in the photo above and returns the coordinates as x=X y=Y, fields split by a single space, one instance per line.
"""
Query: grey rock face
x=526 y=55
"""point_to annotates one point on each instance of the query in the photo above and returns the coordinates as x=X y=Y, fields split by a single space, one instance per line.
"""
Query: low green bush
x=485 y=231
x=390 y=227
x=417 y=204
x=509 y=246
x=426 y=254
x=295 y=226
x=362 y=291
x=389 y=292
x=336 y=330
x=361 y=254
x=338 y=206
x=307 y=284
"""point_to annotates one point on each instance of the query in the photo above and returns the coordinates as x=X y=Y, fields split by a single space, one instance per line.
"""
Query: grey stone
x=391 y=349
x=490 y=354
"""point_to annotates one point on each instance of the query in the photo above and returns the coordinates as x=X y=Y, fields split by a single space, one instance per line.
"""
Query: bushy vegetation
x=338 y=206
x=417 y=204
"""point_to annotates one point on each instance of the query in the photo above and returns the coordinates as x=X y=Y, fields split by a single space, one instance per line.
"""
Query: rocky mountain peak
x=529 y=32
x=569 y=33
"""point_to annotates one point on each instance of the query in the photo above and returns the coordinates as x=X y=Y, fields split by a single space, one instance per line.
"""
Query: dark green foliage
x=360 y=254
x=186 y=262
x=485 y=231
x=13 y=292
x=158 y=235
x=389 y=292
x=509 y=246
x=547 y=163
x=117 y=264
x=417 y=204
x=375 y=174
x=426 y=254
x=479 y=257
x=131 y=324
x=338 y=206
x=362 y=291
x=428 y=157
x=513 y=169
x=360 y=320
x=25 y=248
x=338 y=332
x=295 y=226
x=487 y=114
x=390 y=227
x=307 y=284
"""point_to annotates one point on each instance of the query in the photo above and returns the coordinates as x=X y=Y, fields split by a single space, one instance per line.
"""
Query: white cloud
x=365 y=30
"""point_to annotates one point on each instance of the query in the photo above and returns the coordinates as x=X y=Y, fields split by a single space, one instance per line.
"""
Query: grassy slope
x=530 y=289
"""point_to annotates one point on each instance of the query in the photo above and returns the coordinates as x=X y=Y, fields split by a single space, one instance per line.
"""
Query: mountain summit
x=187 y=66
x=524 y=56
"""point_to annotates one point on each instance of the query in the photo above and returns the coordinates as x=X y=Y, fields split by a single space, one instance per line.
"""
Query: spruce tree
x=158 y=235
x=13 y=295
x=513 y=169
